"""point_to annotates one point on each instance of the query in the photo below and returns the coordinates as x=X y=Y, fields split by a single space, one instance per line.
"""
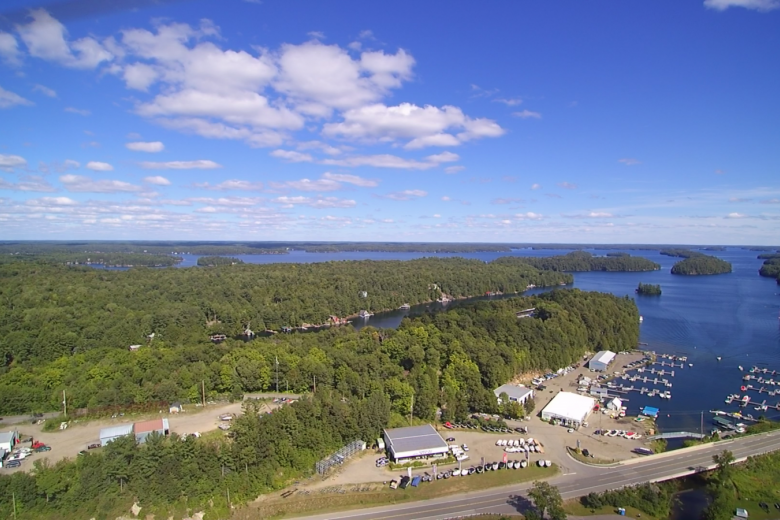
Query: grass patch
x=589 y=460
x=575 y=507
x=380 y=495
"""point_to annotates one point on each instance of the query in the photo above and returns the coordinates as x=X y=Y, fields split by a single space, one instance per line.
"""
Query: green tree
x=547 y=499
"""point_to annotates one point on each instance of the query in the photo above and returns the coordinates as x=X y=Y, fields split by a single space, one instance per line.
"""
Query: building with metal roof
x=144 y=429
x=568 y=408
x=8 y=440
x=600 y=362
x=414 y=442
x=518 y=393
x=114 y=432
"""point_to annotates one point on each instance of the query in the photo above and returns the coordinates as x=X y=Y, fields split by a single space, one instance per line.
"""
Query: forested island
x=681 y=253
x=365 y=382
x=771 y=266
x=95 y=259
x=211 y=261
x=584 y=261
x=647 y=289
x=701 y=264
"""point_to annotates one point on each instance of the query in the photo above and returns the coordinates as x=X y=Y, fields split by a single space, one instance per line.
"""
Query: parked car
x=465 y=448
x=42 y=448
x=13 y=463
x=450 y=439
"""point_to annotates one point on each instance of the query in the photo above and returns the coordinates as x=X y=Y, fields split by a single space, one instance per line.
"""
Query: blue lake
x=734 y=316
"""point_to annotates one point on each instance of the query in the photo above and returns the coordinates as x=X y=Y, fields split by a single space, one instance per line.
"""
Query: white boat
x=740 y=368
x=365 y=314
x=641 y=319
x=690 y=364
x=405 y=307
x=719 y=358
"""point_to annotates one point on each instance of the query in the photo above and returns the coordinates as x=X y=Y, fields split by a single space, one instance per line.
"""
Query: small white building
x=600 y=362
x=8 y=440
x=517 y=393
x=615 y=404
x=568 y=408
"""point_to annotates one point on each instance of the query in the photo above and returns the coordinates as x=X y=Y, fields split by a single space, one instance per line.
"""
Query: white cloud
x=628 y=161
x=9 y=162
x=317 y=203
x=535 y=186
x=70 y=163
x=27 y=183
x=45 y=38
x=445 y=198
x=509 y=102
x=9 y=49
x=201 y=164
x=421 y=126
x=308 y=185
x=770 y=201
x=52 y=201
x=157 y=180
x=139 y=76
x=567 y=185
x=98 y=166
x=381 y=161
x=406 y=195
x=527 y=114
x=318 y=145
x=292 y=156
x=78 y=183
x=454 y=169
x=317 y=35
x=79 y=111
x=736 y=215
x=150 y=147
x=591 y=214
x=232 y=184
x=758 y=5
x=46 y=91
x=443 y=157
x=351 y=179
x=529 y=216
x=9 y=99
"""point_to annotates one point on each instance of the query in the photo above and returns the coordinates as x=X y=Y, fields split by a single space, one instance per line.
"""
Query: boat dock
x=646 y=379
x=669 y=364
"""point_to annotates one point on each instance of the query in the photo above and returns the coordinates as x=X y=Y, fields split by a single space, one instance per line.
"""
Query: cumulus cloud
x=406 y=195
x=567 y=185
x=232 y=184
x=46 y=38
x=529 y=216
x=52 y=201
x=535 y=186
x=351 y=179
x=443 y=157
x=27 y=183
x=308 y=185
x=79 y=111
x=527 y=114
x=292 y=156
x=149 y=147
x=454 y=169
x=757 y=5
x=736 y=215
x=79 y=183
x=46 y=91
x=628 y=161
x=381 y=161
x=317 y=203
x=9 y=99
x=201 y=164
x=157 y=180
x=9 y=49
x=419 y=126
x=509 y=102
x=98 y=166
x=9 y=162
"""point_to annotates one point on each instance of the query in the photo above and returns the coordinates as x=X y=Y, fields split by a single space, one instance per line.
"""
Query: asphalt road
x=581 y=480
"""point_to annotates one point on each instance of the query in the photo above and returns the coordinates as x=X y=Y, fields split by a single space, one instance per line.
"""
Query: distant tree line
x=584 y=261
x=211 y=261
x=680 y=253
x=701 y=264
x=96 y=258
x=648 y=289
x=399 y=247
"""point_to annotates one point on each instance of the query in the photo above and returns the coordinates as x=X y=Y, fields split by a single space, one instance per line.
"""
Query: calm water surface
x=734 y=316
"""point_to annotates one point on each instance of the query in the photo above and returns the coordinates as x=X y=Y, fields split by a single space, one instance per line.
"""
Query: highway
x=581 y=480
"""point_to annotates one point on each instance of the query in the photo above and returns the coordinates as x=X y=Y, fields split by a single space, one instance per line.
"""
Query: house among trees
x=217 y=338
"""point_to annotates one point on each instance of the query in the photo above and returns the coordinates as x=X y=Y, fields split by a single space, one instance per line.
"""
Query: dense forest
x=648 y=289
x=365 y=381
x=47 y=311
x=95 y=259
x=484 y=344
x=584 y=261
x=680 y=253
x=211 y=261
x=700 y=264
x=771 y=266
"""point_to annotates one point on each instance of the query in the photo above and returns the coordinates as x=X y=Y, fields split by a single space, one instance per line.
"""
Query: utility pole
x=411 y=411
x=203 y=392
x=64 y=406
x=315 y=384
x=277 y=374
x=701 y=427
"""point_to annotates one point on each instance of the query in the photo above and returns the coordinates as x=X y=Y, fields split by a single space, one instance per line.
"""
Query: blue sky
x=600 y=122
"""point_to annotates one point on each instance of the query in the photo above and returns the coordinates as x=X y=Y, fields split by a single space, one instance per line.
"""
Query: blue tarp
x=650 y=411
x=416 y=481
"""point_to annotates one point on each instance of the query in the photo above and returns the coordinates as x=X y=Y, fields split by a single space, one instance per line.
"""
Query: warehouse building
x=517 y=393
x=414 y=442
x=144 y=429
x=114 y=432
x=8 y=440
x=600 y=362
x=568 y=408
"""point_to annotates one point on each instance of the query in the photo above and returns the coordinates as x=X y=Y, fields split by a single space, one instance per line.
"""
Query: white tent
x=571 y=409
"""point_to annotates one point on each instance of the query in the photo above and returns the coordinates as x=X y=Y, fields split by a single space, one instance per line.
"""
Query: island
x=771 y=266
x=701 y=264
x=211 y=261
x=580 y=261
x=647 y=289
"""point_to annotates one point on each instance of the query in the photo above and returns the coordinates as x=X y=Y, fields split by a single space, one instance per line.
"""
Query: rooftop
x=605 y=356
x=414 y=438
x=151 y=426
x=7 y=436
x=570 y=406
x=116 y=431
x=513 y=391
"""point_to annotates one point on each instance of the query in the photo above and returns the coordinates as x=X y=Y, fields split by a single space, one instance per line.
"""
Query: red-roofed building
x=145 y=428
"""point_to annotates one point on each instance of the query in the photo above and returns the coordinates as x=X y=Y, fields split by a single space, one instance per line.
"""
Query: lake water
x=734 y=316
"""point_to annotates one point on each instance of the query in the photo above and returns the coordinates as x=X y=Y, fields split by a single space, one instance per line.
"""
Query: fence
x=340 y=456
